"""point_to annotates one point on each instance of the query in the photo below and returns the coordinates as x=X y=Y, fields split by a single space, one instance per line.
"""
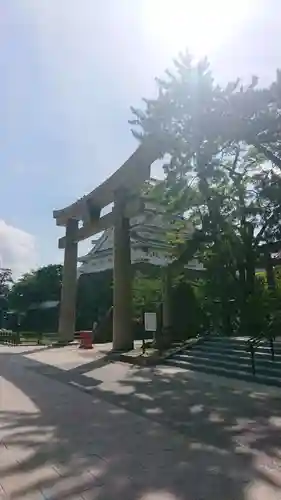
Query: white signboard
x=150 y=322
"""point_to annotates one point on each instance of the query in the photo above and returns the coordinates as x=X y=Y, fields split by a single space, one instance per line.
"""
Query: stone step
x=236 y=342
x=243 y=357
x=223 y=340
x=235 y=365
x=232 y=340
x=241 y=340
x=234 y=352
x=224 y=347
x=219 y=371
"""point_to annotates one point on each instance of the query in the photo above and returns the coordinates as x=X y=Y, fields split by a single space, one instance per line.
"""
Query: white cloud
x=17 y=249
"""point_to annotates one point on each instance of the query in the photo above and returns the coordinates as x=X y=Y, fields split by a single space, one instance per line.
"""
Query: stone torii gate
x=83 y=219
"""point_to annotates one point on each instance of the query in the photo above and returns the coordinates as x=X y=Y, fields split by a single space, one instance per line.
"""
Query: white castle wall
x=148 y=243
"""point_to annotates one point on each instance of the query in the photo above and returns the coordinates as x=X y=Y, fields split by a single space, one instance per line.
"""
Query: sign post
x=150 y=325
x=150 y=322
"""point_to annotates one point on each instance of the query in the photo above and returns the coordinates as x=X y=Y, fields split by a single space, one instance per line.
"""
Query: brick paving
x=58 y=442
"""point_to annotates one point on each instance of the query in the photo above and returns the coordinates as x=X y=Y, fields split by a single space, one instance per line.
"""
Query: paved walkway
x=130 y=433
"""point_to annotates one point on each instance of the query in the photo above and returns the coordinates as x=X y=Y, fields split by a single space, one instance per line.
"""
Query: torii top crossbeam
x=129 y=177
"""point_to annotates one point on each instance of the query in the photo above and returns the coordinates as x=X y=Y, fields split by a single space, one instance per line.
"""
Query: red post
x=86 y=340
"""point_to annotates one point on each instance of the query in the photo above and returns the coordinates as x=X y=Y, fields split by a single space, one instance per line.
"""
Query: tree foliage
x=223 y=173
x=35 y=287
x=6 y=281
x=146 y=292
x=5 y=286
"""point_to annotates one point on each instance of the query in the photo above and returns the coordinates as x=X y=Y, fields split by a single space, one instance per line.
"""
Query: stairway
x=229 y=357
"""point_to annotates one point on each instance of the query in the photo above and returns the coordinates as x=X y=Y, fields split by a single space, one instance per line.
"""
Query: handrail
x=187 y=343
x=254 y=343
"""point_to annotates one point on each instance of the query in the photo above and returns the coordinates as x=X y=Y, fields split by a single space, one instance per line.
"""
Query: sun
x=201 y=25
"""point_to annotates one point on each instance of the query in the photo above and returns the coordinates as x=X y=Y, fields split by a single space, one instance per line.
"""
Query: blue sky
x=70 y=69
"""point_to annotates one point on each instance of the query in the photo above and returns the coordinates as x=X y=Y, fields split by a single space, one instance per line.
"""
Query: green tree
x=5 y=285
x=146 y=292
x=35 y=287
x=219 y=141
x=6 y=281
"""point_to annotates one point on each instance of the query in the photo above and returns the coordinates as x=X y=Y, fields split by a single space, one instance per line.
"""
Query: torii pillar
x=122 y=277
x=69 y=283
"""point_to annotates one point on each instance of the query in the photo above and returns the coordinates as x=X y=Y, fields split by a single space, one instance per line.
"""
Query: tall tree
x=217 y=171
x=36 y=286
x=5 y=285
x=6 y=281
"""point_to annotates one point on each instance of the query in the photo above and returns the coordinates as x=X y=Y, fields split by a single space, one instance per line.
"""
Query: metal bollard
x=272 y=348
x=252 y=351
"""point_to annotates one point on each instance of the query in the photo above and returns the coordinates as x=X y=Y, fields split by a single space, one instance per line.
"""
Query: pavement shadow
x=227 y=441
